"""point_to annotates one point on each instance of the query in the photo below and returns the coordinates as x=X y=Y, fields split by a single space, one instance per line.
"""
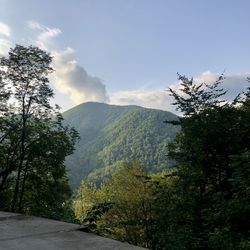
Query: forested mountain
x=110 y=134
x=203 y=202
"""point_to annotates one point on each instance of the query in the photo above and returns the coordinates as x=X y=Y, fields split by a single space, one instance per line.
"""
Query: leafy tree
x=34 y=142
x=122 y=208
x=213 y=135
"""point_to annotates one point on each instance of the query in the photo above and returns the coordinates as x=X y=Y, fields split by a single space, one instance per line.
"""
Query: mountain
x=111 y=134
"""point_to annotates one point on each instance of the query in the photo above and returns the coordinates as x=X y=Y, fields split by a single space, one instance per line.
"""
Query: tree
x=34 y=141
x=203 y=202
x=213 y=135
x=122 y=208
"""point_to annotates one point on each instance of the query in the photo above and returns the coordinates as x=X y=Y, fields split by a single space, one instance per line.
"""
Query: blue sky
x=129 y=51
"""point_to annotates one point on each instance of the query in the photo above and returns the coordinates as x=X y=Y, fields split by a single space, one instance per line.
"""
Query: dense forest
x=111 y=134
x=201 y=202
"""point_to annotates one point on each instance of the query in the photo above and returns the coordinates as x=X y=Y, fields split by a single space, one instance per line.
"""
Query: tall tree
x=34 y=137
x=213 y=132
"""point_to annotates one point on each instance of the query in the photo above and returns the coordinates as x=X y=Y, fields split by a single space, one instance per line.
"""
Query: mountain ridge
x=112 y=133
x=114 y=105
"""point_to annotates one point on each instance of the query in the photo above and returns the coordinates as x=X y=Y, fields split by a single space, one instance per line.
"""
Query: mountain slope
x=110 y=134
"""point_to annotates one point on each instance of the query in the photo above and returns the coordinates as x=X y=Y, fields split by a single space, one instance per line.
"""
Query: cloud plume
x=5 y=43
x=4 y=29
x=45 y=34
x=69 y=77
x=72 y=79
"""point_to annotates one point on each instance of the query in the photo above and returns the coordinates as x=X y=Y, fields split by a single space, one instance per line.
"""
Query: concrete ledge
x=20 y=232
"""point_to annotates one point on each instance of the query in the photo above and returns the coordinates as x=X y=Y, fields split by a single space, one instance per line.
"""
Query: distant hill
x=110 y=134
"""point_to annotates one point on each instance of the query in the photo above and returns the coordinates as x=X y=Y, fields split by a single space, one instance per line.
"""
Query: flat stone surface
x=19 y=232
x=6 y=214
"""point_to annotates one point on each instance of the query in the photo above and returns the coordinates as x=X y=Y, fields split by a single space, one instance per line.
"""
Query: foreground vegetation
x=33 y=141
x=204 y=202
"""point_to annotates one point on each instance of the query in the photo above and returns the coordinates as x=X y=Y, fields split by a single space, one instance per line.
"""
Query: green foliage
x=203 y=202
x=95 y=214
x=110 y=134
x=212 y=154
x=33 y=143
x=122 y=208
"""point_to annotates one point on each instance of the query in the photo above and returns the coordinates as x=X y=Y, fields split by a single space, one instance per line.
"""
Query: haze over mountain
x=111 y=134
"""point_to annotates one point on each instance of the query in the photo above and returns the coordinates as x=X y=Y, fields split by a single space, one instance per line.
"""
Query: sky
x=129 y=51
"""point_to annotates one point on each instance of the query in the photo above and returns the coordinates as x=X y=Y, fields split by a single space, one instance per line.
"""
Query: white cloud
x=5 y=46
x=160 y=99
x=45 y=34
x=4 y=29
x=157 y=99
x=35 y=25
x=72 y=79
x=233 y=83
x=69 y=77
x=5 y=42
